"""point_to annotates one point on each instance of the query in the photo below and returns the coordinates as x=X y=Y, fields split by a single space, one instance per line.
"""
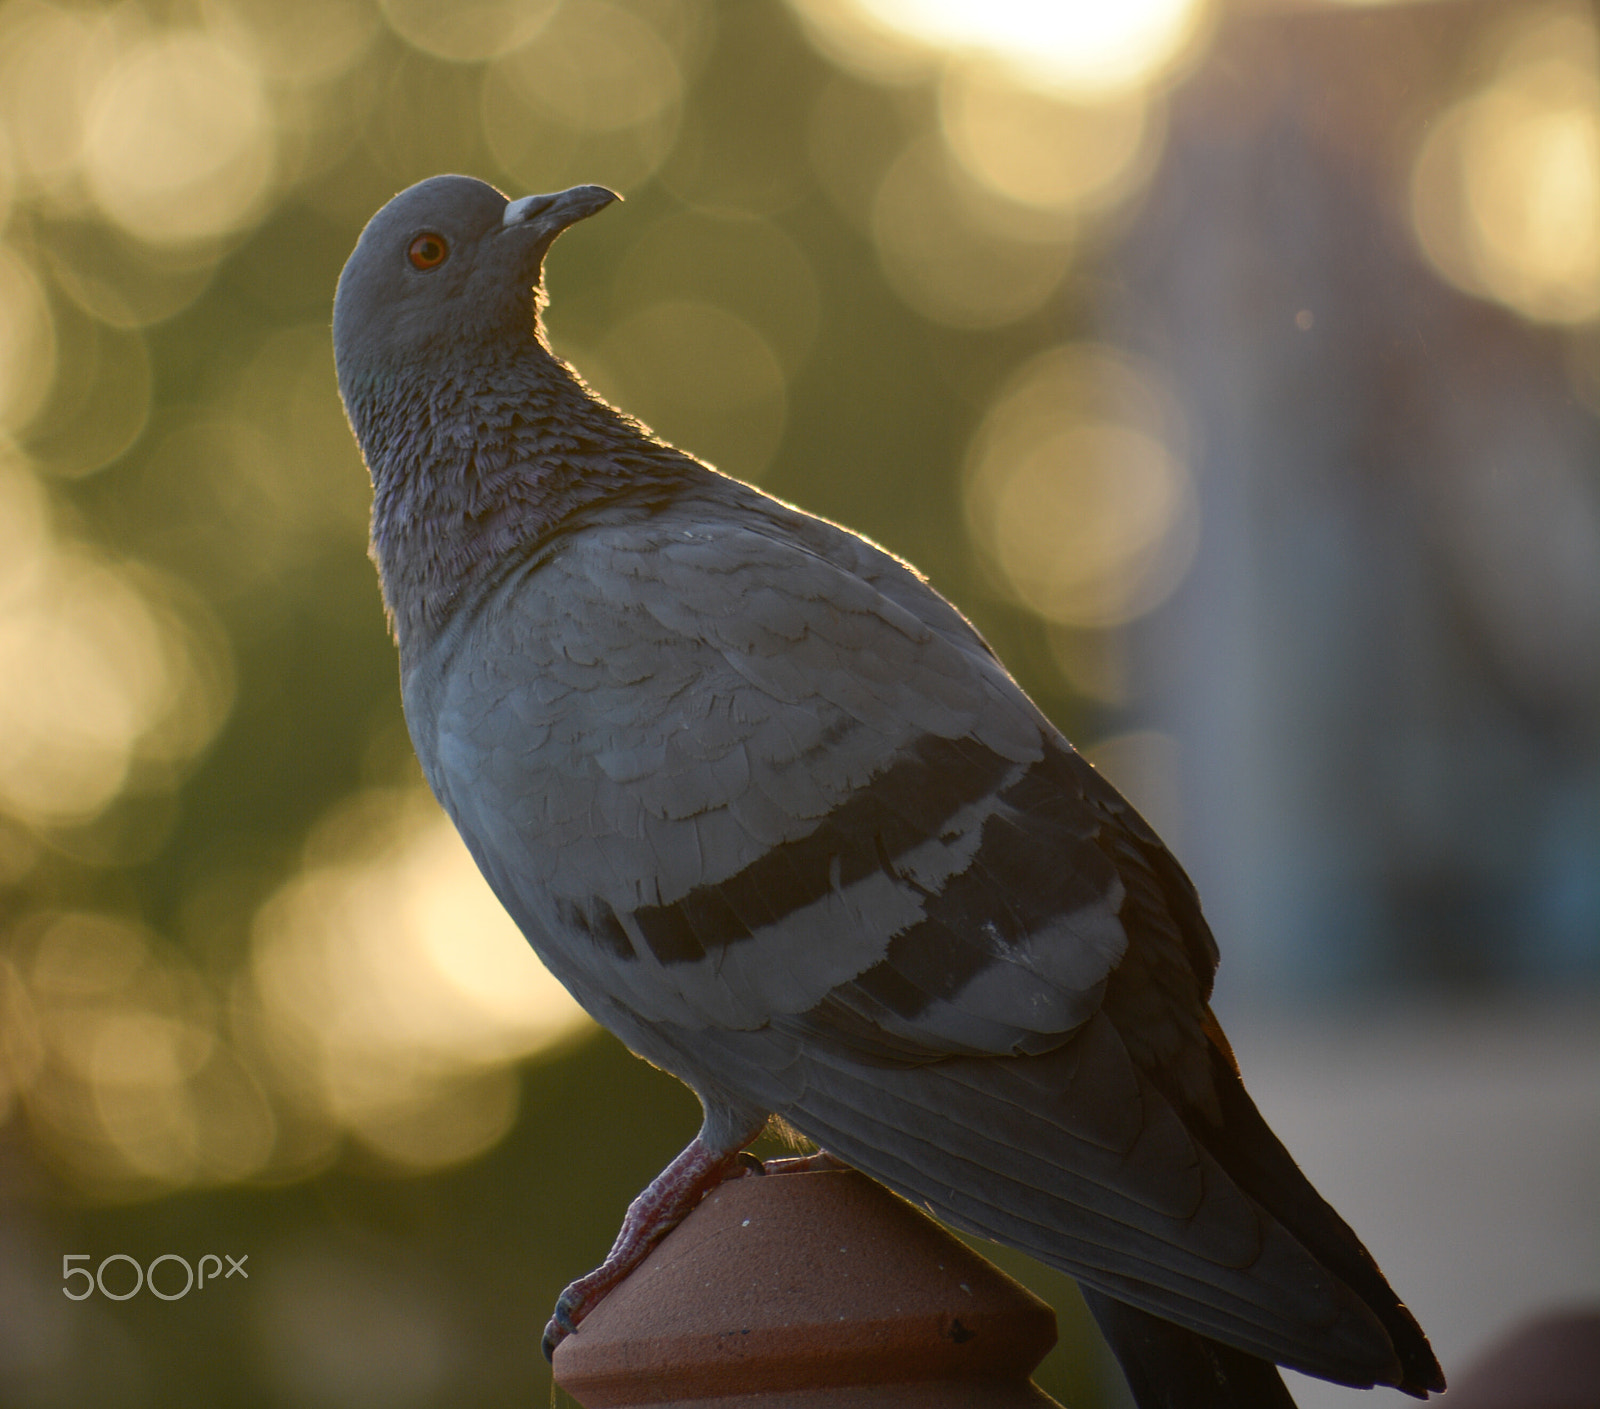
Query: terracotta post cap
x=804 y=1290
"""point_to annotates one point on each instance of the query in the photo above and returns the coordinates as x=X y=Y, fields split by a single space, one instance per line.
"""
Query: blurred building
x=1383 y=669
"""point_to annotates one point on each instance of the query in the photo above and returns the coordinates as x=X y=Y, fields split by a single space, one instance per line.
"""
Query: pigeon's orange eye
x=429 y=251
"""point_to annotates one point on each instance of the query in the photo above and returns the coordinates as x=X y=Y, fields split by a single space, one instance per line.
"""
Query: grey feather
x=772 y=811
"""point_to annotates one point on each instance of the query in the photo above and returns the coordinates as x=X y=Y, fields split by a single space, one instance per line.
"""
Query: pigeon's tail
x=1171 y=1367
x=1180 y=1215
x=1257 y=1161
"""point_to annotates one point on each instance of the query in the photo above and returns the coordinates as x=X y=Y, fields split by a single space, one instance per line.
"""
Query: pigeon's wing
x=1106 y=1130
x=1125 y=1151
x=713 y=771
x=774 y=813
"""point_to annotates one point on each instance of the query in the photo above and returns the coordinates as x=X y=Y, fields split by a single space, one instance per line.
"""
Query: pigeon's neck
x=469 y=471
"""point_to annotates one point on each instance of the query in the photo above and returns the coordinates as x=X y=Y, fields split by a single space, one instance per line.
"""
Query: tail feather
x=1256 y=1160
x=949 y=1145
x=1025 y=1150
x=1168 y=1366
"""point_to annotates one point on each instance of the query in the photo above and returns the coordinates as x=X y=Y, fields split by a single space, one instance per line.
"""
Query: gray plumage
x=774 y=813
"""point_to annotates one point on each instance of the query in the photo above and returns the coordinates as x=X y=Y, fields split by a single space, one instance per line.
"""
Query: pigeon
x=773 y=811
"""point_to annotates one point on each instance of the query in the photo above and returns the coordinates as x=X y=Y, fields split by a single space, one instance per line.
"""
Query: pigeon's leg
x=650 y=1217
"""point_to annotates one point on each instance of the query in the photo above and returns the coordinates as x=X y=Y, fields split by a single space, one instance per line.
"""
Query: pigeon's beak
x=545 y=217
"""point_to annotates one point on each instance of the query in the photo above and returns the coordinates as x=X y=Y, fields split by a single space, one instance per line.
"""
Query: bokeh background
x=1235 y=366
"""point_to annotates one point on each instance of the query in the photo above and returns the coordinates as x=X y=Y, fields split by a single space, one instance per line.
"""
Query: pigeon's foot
x=651 y=1216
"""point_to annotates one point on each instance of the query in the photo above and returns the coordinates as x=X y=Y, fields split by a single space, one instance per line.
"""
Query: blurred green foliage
x=180 y=451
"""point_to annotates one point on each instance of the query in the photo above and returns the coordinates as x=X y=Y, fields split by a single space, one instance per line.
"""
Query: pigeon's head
x=446 y=266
